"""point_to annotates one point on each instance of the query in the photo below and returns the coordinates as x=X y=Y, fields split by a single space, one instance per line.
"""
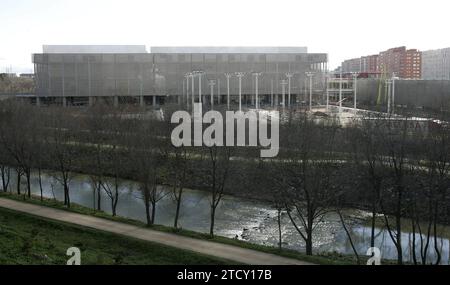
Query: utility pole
x=212 y=83
x=192 y=88
x=393 y=92
x=340 y=92
x=240 y=75
x=187 y=76
x=310 y=75
x=256 y=74
x=355 y=84
x=283 y=92
x=228 y=75
x=328 y=93
x=388 y=84
x=289 y=75
x=199 y=74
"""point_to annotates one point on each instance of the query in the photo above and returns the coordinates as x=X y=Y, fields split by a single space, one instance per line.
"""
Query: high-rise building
x=364 y=64
x=436 y=64
x=406 y=64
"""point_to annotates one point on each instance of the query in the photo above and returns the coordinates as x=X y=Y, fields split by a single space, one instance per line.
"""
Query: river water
x=245 y=219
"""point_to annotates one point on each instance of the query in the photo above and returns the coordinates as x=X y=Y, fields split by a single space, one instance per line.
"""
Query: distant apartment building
x=27 y=75
x=405 y=64
x=364 y=64
x=436 y=64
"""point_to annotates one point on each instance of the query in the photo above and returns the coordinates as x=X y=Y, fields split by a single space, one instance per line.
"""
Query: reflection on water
x=248 y=220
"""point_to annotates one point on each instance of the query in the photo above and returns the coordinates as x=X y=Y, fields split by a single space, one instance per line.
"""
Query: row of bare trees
x=385 y=166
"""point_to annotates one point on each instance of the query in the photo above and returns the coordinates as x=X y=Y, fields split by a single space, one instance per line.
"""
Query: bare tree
x=306 y=173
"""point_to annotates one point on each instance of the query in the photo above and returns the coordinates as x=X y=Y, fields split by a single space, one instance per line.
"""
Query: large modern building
x=436 y=64
x=72 y=75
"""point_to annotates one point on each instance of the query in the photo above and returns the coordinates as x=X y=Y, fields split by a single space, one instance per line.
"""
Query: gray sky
x=343 y=29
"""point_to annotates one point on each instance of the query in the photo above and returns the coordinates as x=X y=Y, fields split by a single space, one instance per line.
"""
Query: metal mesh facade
x=162 y=74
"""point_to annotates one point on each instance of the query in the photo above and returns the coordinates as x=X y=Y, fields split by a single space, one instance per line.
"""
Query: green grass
x=322 y=259
x=26 y=239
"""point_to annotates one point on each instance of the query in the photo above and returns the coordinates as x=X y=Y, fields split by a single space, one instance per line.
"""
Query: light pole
x=228 y=75
x=271 y=92
x=283 y=92
x=240 y=75
x=355 y=84
x=393 y=91
x=388 y=84
x=199 y=74
x=191 y=75
x=256 y=74
x=310 y=75
x=212 y=83
x=340 y=92
x=328 y=92
x=187 y=76
x=289 y=76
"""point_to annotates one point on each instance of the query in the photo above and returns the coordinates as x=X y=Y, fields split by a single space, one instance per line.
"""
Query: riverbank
x=331 y=258
x=31 y=240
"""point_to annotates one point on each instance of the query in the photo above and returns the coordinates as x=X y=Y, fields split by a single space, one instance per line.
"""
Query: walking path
x=229 y=252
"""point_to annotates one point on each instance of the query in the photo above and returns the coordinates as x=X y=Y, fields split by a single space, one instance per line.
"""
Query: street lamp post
x=199 y=74
x=355 y=84
x=271 y=92
x=388 y=85
x=212 y=83
x=289 y=75
x=240 y=75
x=187 y=76
x=393 y=92
x=340 y=92
x=310 y=75
x=191 y=75
x=228 y=75
x=256 y=74
x=283 y=92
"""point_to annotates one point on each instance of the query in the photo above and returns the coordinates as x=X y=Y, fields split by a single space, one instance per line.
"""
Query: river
x=245 y=219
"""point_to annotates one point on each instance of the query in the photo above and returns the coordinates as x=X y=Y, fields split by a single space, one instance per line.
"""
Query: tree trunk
x=153 y=212
x=40 y=184
x=66 y=194
x=436 y=247
x=279 y=228
x=19 y=176
x=413 y=224
x=5 y=177
x=309 y=250
x=177 y=212
x=372 y=230
x=147 y=212
x=115 y=201
x=99 y=197
x=28 y=176
x=213 y=218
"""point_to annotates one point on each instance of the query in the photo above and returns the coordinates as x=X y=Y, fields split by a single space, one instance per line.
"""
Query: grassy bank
x=326 y=259
x=26 y=239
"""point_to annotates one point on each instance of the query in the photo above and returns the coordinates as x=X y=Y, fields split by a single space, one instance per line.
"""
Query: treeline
x=397 y=172
x=14 y=85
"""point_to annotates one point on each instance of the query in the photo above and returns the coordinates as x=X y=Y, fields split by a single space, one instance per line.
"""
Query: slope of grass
x=26 y=239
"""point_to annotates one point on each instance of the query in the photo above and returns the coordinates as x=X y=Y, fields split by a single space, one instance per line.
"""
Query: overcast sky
x=343 y=29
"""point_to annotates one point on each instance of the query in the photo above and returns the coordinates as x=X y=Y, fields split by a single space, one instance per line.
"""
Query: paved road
x=234 y=253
